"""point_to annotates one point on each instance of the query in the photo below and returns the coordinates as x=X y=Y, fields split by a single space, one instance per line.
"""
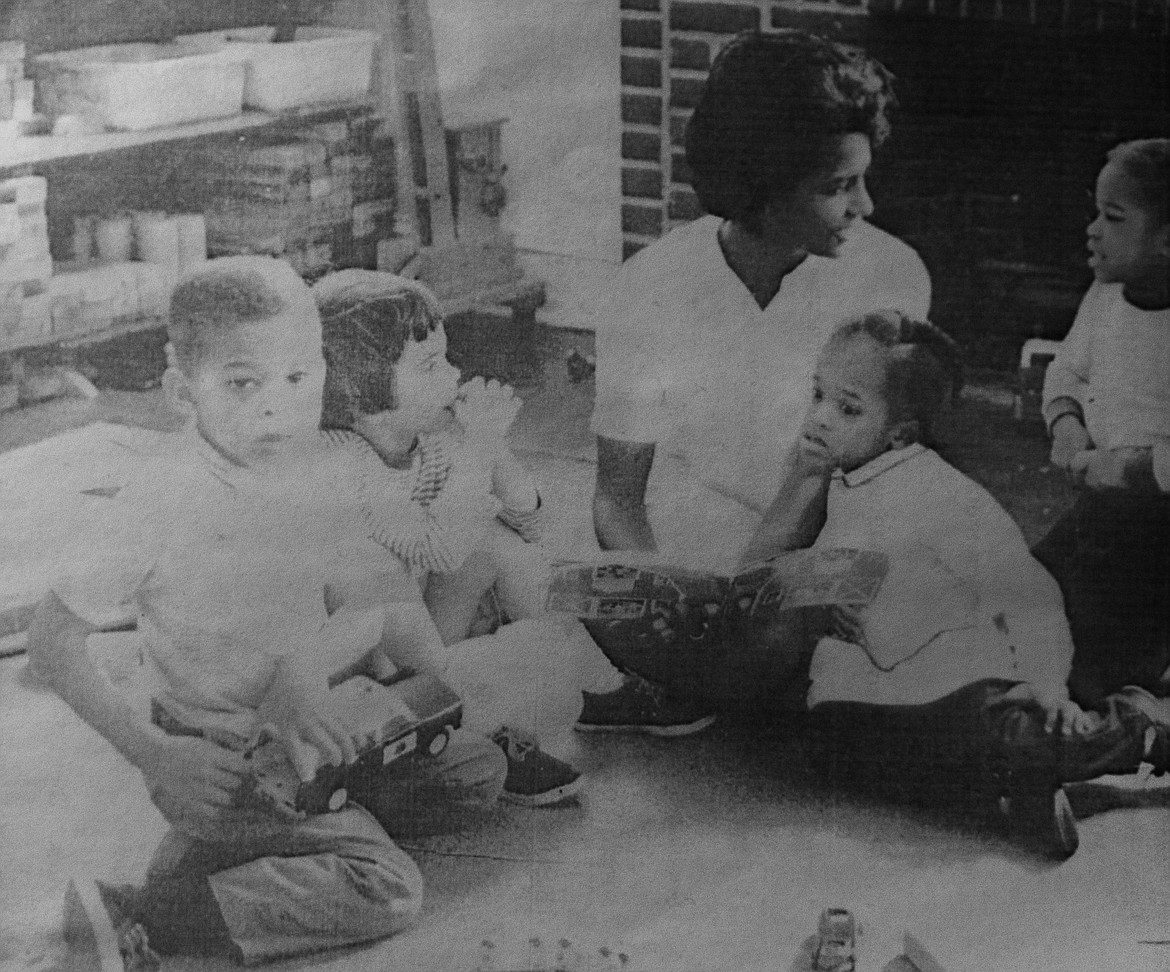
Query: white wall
x=552 y=67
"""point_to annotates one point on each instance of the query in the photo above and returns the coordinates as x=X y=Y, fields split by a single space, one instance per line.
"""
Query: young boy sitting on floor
x=231 y=589
x=955 y=675
x=1107 y=404
x=452 y=502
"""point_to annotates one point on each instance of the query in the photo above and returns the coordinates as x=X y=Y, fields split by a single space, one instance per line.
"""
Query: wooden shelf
x=21 y=342
x=39 y=149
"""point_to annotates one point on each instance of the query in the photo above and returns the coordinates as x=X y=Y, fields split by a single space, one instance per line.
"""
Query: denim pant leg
x=296 y=887
x=422 y=795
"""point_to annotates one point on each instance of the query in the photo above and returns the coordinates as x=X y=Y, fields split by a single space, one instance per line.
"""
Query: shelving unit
x=404 y=97
x=66 y=340
x=41 y=149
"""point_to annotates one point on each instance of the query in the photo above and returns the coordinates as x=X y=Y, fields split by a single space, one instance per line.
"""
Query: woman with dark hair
x=705 y=359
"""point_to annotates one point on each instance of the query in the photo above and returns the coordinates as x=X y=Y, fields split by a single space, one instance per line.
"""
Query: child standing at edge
x=953 y=678
x=1107 y=405
x=448 y=498
x=232 y=602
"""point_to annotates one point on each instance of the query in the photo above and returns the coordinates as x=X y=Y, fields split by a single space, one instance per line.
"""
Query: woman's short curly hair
x=771 y=108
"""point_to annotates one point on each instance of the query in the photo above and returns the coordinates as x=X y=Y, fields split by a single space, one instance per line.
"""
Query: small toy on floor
x=539 y=956
x=833 y=947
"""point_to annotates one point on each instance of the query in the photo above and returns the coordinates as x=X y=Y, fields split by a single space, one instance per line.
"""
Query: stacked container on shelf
x=317 y=200
x=16 y=91
x=25 y=263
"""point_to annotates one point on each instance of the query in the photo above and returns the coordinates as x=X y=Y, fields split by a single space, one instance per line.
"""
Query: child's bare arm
x=200 y=776
x=796 y=515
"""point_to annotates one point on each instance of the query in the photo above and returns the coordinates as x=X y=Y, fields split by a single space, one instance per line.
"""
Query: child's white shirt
x=1115 y=362
x=225 y=570
x=963 y=599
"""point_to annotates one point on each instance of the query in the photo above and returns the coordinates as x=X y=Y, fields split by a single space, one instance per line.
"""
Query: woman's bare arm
x=619 y=498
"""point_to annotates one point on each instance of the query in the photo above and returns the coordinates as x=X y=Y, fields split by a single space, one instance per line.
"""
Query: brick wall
x=1007 y=106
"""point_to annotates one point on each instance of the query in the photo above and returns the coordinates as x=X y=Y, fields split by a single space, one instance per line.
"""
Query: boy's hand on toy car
x=486 y=409
x=200 y=776
x=297 y=707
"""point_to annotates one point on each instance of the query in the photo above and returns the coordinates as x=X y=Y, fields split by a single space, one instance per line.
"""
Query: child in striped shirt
x=468 y=521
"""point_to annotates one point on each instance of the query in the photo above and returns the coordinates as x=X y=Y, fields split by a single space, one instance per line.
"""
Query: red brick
x=641 y=33
x=641 y=72
x=641 y=109
x=684 y=205
x=692 y=54
x=685 y=92
x=640 y=5
x=642 y=220
x=713 y=18
x=641 y=145
x=678 y=129
x=645 y=183
x=679 y=170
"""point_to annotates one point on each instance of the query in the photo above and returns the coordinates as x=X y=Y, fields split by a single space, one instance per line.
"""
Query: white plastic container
x=137 y=86
x=321 y=64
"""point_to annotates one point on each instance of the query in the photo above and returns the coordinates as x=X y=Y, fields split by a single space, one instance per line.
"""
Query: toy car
x=397 y=717
x=836 y=938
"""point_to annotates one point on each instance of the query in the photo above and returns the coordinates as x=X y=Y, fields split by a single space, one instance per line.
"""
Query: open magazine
x=722 y=637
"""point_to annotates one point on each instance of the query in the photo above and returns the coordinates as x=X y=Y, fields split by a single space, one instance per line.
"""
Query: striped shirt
x=435 y=513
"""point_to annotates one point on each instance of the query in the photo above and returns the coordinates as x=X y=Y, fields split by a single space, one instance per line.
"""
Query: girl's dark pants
x=1111 y=556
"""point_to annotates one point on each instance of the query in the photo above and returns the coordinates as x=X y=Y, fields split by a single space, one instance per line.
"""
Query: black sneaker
x=535 y=779
x=100 y=930
x=640 y=706
x=1044 y=819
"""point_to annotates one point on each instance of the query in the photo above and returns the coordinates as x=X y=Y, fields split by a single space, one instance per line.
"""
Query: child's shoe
x=641 y=706
x=535 y=779
x=101 y=932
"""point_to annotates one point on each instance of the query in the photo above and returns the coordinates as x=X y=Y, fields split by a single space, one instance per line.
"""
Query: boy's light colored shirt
x=686 y=359
x=963 y=599
x=225 y=569
x=1115 y=363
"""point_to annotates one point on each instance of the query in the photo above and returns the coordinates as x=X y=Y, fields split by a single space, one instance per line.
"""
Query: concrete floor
x=709 y=854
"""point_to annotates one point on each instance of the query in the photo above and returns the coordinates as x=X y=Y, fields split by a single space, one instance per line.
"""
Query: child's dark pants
x=1111 y=556
x=969 y=747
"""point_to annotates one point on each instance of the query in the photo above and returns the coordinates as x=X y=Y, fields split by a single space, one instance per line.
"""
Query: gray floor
x=711 y=853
